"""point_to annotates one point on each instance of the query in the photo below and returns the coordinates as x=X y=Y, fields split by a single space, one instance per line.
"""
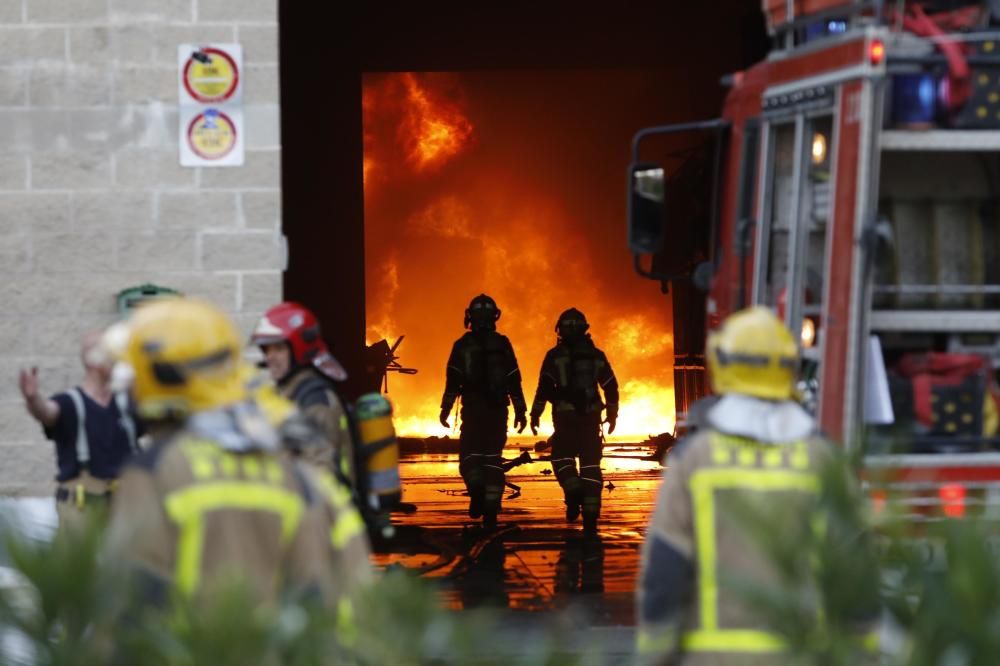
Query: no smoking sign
x=210 y=92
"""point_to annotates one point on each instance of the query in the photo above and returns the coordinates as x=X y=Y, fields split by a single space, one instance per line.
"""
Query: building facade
x=92 y=197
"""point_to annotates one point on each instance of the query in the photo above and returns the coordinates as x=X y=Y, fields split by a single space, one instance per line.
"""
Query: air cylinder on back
x=379 y=450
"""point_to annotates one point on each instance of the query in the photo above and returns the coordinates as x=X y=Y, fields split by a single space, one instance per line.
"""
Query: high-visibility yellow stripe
x=187 y=508
x=871 y=641
x=347 y=630
x=773 y=456
x=747 y=456
x=333 y=490
x=657 y=640
x=251 y=467
x=202 y=456
x=273 y=470
x=721 y=454
x=349 y=524
x=229 y=465
x=704 y=483
x=733 y=640
x=800 y=455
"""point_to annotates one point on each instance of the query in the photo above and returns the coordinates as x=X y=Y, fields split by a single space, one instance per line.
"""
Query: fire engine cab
x=856 y=191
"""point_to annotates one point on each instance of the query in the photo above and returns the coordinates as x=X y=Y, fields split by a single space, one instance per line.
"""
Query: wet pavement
x=534 y=561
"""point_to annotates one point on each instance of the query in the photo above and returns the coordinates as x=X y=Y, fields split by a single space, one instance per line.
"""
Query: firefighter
x=573 y=375
x=482 y=370
x=211 y=498
x=304 y=370
x=758 y=448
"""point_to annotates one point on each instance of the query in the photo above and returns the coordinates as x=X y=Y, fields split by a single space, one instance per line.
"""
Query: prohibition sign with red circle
x=229 y=90
x=224 y=142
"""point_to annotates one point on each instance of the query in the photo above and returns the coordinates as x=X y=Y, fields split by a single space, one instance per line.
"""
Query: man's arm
x=609 y=384
x=544 y=393
x=453 y=384
x=44 y=410
x=515 y=391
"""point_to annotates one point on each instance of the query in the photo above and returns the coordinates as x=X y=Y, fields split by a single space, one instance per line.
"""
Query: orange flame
x=435 y=243
x=382 y=326
x=434 y=131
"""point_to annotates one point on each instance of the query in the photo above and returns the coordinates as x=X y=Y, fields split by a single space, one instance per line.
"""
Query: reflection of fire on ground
x=472 y=187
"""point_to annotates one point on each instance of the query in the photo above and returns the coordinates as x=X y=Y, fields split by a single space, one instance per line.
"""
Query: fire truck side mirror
x=646 y=209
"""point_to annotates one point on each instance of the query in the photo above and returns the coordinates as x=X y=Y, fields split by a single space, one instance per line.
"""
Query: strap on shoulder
x=82 y=444
x=313 y=390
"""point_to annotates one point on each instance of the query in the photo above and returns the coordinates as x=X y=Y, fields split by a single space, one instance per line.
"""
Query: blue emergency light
x=914 y=99
x=825 y=28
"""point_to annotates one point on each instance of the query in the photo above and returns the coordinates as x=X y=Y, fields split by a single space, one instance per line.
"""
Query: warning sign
x=212 y=134
x=210 y=74
x=210 y=95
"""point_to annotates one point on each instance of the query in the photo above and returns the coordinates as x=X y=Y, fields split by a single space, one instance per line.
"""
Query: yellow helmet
x=753 y=354
x=185 y=354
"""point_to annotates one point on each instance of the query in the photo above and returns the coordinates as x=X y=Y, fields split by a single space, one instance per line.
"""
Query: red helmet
x=297 y=326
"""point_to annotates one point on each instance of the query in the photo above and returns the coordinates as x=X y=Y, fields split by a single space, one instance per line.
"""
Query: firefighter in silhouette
x=482 y=369
x=573 y=375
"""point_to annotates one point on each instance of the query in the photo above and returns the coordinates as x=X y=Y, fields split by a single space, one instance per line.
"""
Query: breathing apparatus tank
x=379 y=452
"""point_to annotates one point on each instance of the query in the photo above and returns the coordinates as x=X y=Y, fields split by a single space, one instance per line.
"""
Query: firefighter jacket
x=482 y=369
x=753 y=466
x=316 y=399
x=212 y=500
x=571 y=375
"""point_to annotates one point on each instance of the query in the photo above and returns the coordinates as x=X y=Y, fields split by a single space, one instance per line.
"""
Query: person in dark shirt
x=482 y=370
x=573 y=375
x=93 y=429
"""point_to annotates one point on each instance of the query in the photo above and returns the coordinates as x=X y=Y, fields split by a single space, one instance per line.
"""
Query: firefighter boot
x=491 y=504
x=476 y=500
x=591 y=512
x=574 y=495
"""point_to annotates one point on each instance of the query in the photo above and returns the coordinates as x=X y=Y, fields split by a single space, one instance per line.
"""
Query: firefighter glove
x=535 y=418
x=445 y=413
x=612 y=420
x=520 y=421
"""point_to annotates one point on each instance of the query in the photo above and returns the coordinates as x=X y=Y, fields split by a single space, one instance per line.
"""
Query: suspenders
x=126 y=422
x=82 y=444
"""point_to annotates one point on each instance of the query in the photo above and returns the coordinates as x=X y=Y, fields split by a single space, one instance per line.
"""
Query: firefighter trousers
x=480 y=457
x=579 y=436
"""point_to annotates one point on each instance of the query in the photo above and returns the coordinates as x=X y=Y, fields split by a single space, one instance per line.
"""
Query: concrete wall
x=92 y=199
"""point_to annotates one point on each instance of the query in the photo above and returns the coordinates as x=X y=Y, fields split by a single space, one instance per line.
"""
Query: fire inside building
x=509 y=184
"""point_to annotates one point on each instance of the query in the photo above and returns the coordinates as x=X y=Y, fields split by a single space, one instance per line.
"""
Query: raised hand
x=28 y=382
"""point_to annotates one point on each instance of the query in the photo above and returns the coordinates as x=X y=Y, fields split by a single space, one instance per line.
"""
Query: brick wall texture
x=92 y=199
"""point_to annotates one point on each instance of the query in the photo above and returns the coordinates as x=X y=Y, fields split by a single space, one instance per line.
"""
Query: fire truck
x=855 y=189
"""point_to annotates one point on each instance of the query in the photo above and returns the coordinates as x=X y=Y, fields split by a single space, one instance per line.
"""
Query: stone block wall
x=92 y=197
